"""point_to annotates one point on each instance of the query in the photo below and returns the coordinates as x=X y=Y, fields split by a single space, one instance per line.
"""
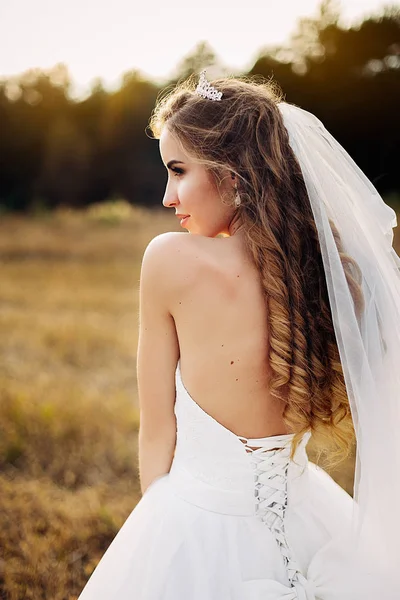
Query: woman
x=277 y=319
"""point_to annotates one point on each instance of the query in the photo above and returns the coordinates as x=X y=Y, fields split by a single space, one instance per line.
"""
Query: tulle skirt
x=170 y=548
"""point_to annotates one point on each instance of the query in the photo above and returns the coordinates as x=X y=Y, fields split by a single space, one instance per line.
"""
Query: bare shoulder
x=177 y=250
x=171 y=260
x=192 y=270
x=182 y=259
x=169 y=240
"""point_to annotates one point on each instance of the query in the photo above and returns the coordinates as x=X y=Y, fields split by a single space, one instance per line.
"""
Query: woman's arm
x=157 y=355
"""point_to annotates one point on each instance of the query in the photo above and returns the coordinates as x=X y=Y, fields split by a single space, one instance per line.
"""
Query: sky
x=98 y=38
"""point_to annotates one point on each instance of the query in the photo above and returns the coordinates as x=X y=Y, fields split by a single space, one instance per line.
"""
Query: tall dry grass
x=68 y=416
x=68 y=398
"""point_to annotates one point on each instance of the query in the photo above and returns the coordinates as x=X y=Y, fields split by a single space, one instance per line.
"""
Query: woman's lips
x=183 y=220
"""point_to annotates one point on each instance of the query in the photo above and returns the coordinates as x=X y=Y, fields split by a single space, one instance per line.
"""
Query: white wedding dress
x=228 y=522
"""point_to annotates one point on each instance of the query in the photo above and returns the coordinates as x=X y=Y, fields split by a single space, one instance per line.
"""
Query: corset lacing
x=271 y=497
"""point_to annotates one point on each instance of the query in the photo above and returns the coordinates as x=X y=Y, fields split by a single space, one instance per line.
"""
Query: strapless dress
x=234 y=519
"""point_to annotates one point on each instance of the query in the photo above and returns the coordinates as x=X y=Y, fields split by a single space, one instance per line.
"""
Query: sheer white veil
x=369 y=348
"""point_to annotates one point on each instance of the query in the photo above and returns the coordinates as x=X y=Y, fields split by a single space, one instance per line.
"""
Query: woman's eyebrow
x=174 y=162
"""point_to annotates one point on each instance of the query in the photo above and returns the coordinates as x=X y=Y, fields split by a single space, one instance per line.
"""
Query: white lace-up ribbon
x=270 y=465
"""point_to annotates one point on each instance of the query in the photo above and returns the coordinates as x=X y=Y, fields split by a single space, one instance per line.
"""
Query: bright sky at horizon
x=95 y=38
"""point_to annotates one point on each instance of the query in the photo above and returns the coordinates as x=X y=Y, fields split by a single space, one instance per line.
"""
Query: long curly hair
x=245 y=133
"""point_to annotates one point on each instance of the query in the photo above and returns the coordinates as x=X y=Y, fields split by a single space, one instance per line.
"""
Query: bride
x=277 y=319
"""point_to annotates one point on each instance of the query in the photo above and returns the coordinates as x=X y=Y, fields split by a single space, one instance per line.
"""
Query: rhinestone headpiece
x=205 y=89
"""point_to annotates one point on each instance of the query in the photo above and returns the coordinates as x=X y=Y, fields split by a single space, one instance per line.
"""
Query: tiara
x=205 y=89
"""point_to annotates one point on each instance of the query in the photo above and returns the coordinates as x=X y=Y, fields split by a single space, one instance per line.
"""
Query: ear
x=228 y=178
x=233 y=178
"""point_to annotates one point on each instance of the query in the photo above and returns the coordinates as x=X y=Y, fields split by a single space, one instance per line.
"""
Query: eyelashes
x=177 y=171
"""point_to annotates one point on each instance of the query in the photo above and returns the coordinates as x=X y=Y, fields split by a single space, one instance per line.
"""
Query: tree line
x=57 y=151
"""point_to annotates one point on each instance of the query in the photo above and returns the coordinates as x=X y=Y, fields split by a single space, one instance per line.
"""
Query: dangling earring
x=237 y=197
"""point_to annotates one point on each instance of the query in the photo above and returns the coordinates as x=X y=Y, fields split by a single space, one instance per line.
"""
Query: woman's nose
x=170 y=197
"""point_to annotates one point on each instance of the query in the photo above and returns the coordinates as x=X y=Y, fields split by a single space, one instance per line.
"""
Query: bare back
x=221 y=322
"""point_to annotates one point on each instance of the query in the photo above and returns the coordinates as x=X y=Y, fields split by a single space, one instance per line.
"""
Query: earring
x=237 y=197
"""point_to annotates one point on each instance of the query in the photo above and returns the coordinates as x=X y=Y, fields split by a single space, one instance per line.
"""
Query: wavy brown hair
x=245 y=133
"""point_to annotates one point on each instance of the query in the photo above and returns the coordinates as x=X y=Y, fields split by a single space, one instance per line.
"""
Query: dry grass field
x=68 y=398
